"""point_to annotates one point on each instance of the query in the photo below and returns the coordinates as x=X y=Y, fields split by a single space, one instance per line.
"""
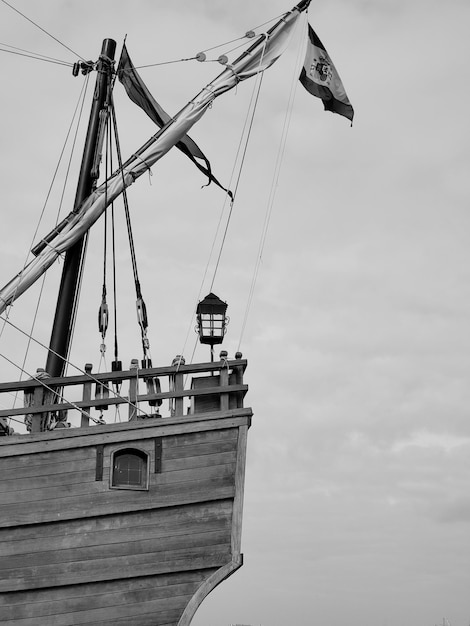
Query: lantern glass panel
x=212 y=325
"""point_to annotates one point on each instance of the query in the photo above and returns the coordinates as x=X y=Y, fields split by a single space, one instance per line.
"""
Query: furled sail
x=259 y=56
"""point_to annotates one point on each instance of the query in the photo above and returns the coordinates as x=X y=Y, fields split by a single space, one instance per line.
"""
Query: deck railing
x=50 y=403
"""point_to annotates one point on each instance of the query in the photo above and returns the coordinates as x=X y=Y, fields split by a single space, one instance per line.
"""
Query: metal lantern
x=211 y=320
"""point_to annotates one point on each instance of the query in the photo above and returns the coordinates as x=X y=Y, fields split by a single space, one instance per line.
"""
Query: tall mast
x=67 y=299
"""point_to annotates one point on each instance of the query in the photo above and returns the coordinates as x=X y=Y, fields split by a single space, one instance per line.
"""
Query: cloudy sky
x=357 y=501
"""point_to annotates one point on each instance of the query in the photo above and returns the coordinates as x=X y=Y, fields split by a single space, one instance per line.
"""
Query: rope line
x=33 y=55
x=124 y=196
x=81 y=100
x=272 y=194
x=76 y=301
x=42 y=29
x=140 y=67
x=206 y=271
x=68 y=362
x=74 y=143
x=245 y=148
x=116 y=344
x=220 y=45
x=28 y=345
x=244 y=137
x=214 y=240
x=55 y=392
x=246 y=130
x=140 y=304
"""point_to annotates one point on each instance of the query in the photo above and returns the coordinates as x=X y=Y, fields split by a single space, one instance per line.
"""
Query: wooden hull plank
x=129 y=528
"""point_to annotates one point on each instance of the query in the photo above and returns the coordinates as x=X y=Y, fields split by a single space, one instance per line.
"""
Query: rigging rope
x=33 y=55
x=140 y=304
x=140 y=67
x=85 y=238
x=116 y=347
x=249 y=34
x=244 y=140
x=200 y=56
x=42 y=29
x=81 y=270
x=249 y=123
x=56 y=392
x=103 y=315
x=272 y=193
x=245 y=148
x=116 y=365
x=246 y=132
x=80 y=104
x=28 y=345
x=68 y=362
x=78 y=107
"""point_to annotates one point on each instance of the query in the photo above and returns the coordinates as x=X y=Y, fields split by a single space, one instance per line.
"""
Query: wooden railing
x=188 y=389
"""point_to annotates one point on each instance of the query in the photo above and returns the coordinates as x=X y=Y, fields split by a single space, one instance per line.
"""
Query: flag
x=320 y=78
x=140 y=95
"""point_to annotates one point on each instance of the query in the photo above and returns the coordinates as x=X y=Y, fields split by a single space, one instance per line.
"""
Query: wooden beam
x=122 y=375
x=204 y=590
x=77 y=437
x=87 y=386
x=133 y=397
x=239 y=491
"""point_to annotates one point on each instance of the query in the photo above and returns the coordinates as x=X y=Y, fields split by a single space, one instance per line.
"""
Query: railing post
x=238 y=371
x=86 y=397
x=133 y=390
x=224 y=397
x=36 y=417
x=38 y=396
x=177 y=384
x=179 y=402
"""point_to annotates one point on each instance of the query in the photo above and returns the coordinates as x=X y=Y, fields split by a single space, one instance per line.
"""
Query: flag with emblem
x=320 y=77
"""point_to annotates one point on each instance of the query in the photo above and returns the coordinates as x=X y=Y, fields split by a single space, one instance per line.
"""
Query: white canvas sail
x=261 y=55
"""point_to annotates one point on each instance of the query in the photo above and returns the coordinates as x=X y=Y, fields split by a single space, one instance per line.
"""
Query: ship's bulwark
x=153 y=555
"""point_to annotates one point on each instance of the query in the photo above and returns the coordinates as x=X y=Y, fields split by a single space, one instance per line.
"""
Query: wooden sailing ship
x=132 y=522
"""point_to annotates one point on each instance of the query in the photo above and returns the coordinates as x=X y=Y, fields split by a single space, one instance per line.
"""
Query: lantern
x=211 y=321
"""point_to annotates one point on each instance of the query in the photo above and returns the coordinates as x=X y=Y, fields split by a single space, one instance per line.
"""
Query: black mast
x=68 y=292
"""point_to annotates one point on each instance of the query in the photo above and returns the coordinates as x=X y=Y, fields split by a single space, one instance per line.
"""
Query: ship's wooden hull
x=76 y=550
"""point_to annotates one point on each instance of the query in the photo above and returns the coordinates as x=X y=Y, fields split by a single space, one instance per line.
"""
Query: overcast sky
x=357 y=500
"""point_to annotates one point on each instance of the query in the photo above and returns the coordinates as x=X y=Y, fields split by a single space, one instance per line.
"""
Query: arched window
x=129 y=469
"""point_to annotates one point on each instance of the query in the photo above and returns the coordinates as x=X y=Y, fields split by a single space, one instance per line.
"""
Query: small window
x=130 y=469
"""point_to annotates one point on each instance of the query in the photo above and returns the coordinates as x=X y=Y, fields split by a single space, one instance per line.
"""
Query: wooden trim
x=122 y=436
x=37 y=401
x=158 y=454
x=178 y=394
x=156 y=564
x=158 y=523
x=208 y=585
x=133 y=389
x=103 y=501
x=113 y=433
x=129 y=447
x=99 y=462
x=108 y=603
x=84 y=422
x=237 y=514
x=123 y=375
x=224 y=383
